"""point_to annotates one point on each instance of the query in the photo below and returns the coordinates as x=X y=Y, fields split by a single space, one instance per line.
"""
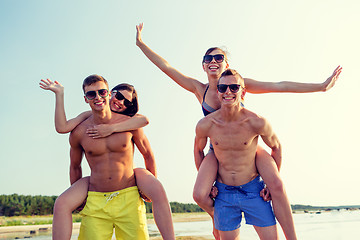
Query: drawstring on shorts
x=111 y=196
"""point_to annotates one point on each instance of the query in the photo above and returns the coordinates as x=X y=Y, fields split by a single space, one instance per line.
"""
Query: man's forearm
x=150 y=164
x=75 y=174
x=199 y=156
x=276 y=154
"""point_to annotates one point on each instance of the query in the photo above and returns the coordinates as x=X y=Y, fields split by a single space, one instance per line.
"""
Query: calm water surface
x=335 y=225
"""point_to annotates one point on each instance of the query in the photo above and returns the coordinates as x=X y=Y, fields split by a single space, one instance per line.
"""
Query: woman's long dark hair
x=131 y=110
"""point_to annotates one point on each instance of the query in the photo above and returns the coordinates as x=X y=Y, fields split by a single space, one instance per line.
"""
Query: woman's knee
x=61 y=204
x=158 y=192
x=276 y=185
x=200 y=195
x=152 y=188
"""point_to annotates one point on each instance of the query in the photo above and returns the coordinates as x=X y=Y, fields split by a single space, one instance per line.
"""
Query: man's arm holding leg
x=152 y=188
x=143 y=144
x=199 y=144
x=271 y=140
x=76 y=155
x=280 y=201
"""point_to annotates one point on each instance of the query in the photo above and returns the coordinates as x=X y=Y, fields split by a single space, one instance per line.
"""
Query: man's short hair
x=93 y=79
x=134 y=108
x=231 y=72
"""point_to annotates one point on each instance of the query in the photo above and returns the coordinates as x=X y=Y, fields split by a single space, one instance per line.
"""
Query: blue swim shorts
x=232 y=201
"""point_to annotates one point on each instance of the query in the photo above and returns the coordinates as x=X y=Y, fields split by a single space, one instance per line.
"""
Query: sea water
x=332 y=225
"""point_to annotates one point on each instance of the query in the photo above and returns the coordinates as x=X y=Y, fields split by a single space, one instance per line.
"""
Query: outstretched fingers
x=44 y=84
x=138 y=32
x=330 y=82
x=338 y=71
x=140 y=27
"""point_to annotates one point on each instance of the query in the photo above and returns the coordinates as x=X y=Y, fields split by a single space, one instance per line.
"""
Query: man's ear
x=243 y=92
x=86 y=100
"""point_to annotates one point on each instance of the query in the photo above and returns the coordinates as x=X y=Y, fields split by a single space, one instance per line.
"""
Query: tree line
x=19 y=205
x=177 y=207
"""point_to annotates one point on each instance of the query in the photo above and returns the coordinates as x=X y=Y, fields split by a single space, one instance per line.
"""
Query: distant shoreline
x=35 y=230
x=177 y=217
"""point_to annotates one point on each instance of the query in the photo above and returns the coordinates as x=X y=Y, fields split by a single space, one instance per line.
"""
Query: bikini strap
x=207 y=88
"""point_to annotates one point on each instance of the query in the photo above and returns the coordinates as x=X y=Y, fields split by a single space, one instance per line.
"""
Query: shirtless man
x=234 y=132
x=113 y=198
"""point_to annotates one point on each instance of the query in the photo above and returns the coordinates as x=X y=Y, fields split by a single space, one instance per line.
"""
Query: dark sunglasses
x=90 y=95
x=119 y=96
x=234 y=88
x=218 y=58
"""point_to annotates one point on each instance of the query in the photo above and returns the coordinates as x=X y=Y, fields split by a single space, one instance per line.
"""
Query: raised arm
x=61 y=124
x=270 y=139
x=76 y=155
x=186 y=82
x=143 y=144
x=200 y=143
x=254 y=86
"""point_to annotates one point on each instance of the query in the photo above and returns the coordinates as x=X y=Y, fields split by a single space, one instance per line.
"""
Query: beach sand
x=177 y=217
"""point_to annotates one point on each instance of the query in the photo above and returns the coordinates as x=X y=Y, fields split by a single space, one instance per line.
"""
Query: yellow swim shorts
x=123 y=210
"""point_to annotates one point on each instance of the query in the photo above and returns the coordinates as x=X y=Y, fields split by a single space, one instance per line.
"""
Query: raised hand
x=138 y=33
x=330 y=82
x=55 y=87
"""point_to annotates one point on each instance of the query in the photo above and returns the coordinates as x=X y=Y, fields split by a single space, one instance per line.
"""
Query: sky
x=302 y=41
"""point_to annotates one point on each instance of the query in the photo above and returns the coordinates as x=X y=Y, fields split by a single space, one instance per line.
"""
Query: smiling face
x=99 y=103
x=214 y=68
x=229 y=97
x=124 y=99
x=117 y=105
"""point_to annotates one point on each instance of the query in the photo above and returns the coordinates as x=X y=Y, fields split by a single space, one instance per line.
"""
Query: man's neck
x=230 y=113
x=102 y=117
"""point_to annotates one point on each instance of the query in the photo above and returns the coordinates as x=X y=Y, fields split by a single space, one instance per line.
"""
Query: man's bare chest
x=232 y=137
x=115 y=143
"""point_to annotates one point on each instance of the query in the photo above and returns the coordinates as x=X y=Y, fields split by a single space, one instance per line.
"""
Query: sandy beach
x=177 y=217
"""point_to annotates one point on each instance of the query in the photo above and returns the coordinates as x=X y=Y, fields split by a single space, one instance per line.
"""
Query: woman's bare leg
x=269 y=172
x=204 y=182
x=154 y=190
x=64 y=205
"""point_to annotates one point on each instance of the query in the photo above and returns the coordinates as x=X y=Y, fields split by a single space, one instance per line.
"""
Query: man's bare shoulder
x=82 y=125
x=256 y=121
x=205 y=124
x=118 y=117
x=205 y=120
x=137 y=132
x=79 y=131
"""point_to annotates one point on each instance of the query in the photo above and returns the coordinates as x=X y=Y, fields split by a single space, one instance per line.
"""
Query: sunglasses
x=119 y=96
x=234 y=88
x=90 y=95
x=218 y=58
